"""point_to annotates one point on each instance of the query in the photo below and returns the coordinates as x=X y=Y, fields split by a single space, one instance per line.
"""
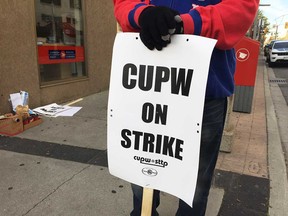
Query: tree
x=263 y=26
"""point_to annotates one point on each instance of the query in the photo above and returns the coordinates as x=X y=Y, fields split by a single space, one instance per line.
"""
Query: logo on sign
x=242 y=54
x=63 y=54
x=152 y=162
x=149 y=172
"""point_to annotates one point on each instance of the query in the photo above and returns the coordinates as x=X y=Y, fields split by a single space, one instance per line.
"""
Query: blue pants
x=212 y=129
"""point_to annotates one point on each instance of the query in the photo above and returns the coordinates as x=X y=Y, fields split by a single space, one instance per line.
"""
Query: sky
x=277 y=12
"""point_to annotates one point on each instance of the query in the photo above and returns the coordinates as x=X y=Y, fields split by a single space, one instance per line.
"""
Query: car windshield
x=280 y=45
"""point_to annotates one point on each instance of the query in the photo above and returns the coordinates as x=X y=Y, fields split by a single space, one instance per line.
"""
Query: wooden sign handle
x=118 y=27
x=147 y=202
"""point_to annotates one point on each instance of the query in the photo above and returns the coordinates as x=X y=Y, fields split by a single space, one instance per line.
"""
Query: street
x=281 y=73
x=278 y=79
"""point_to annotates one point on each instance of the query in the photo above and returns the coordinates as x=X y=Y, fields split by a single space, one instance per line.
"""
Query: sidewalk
x=60 y=167
x=248 y=192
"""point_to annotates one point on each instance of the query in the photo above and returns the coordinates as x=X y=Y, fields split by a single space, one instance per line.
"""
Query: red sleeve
x=127 y=13
x=227 y=21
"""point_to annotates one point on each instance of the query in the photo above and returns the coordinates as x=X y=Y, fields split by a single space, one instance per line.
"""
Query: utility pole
x=276 y=32
x=256 y=29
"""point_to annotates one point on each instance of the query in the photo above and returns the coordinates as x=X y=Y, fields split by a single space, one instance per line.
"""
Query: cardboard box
x=11 y=125
x=32 y=123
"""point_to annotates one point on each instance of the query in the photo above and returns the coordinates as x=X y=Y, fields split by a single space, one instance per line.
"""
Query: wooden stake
x=147 y=202
x=119 y=29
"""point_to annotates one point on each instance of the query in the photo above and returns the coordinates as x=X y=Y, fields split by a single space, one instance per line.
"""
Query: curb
x=277 y=167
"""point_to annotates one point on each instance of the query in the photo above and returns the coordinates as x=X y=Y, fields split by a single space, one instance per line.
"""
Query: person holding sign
x=227 y=21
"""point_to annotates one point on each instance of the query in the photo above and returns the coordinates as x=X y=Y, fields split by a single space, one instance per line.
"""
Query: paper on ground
x=54 y=110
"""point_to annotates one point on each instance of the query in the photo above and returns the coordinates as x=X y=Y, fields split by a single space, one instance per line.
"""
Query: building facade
x=56 y=50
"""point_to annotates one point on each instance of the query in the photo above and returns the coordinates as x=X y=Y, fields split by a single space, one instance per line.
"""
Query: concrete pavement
x=276 y=138
x=60 y=166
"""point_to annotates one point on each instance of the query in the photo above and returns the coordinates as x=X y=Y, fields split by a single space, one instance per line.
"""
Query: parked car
x=267 y=47
x=278 y=53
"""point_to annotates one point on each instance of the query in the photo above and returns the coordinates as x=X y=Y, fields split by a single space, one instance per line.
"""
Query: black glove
x=157 y=24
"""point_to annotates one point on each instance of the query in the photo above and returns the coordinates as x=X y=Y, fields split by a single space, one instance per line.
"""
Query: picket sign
x=154 y=115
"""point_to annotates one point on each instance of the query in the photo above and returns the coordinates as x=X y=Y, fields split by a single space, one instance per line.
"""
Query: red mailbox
x=247 y=52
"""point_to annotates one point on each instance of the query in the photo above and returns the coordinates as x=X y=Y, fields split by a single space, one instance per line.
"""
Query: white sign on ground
x=155 y=112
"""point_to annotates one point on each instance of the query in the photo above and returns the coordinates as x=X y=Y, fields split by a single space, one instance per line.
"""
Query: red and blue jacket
x=227 y=21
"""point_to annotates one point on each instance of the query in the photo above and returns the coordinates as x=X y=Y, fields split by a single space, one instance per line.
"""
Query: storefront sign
x=155 y=112
x=60 y=54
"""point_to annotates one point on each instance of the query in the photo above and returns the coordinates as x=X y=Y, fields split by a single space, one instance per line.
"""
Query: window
x=55 y=2
x=280 y=45
x=75 y=4
x=60 y=40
